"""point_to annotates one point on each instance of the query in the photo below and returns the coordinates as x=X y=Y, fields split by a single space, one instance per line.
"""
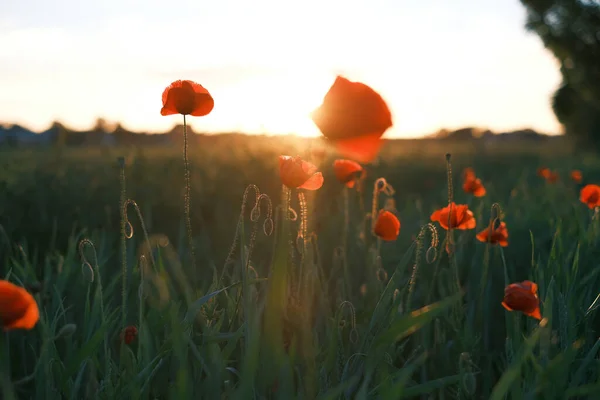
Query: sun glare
x=278 y=104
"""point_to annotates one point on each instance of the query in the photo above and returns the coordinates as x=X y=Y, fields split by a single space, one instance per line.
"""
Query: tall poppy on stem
x=454 y=216
x=497 y=235
x=353 y=117
x=18 y=309
x=300 y=174
x=187 y=98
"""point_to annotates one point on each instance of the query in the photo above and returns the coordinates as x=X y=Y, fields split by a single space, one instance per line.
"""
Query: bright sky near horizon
x=268 y=63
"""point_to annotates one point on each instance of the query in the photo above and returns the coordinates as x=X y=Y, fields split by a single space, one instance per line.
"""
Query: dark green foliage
x=570 y=29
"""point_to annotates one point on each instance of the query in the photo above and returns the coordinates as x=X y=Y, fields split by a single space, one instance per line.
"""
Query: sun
x=278 y=104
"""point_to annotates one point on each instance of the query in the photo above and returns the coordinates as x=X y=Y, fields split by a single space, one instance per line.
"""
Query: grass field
x=335 y=315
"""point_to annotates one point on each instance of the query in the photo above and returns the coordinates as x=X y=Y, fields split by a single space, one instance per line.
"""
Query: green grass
x=268 y=315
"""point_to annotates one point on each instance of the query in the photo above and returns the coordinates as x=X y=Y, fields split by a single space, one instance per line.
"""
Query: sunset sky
x=268 y=63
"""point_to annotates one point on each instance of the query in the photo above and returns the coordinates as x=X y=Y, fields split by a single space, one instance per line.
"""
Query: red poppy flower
x=469 y=174
x=387 y=226
x=18 y=309
x=354 y=117
x=590 y=195
x=460 y=217
x=297 y=173
x=187 y=98
x=475 y=187
x=544 y=172
x=129 y=334
x=522 y=297
x=347 y=171
x=576 y=175
x=498 y=235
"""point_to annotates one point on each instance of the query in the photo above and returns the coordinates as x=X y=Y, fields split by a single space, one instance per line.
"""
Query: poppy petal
x=436 y=215
x=506 y=306
x=27 y=320
x=204 y=104
x=471 y=223
x=483 y=235
x=309 y=168
x=313 y=183
x=479 y=192
x=363 y=149
x=530 y=286
x=387 y=226
x=180 y=100
x=535 y=314
x=18 y=308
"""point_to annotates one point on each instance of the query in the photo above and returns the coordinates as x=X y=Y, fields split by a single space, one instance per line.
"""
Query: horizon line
x=480 y=129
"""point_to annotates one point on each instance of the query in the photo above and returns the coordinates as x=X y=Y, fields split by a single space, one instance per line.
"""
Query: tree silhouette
x=570 y=29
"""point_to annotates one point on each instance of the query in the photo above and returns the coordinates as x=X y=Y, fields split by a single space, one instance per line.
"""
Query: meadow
x=263 y=312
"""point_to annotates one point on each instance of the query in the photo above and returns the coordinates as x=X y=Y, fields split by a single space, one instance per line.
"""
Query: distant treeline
x=104 y=134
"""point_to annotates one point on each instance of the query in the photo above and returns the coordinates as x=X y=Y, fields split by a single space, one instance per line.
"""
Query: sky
x=268 y=63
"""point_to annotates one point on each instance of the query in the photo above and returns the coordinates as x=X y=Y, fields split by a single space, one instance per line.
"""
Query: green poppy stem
x=187 y=196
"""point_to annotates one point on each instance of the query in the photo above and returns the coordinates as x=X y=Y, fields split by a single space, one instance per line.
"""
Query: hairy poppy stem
x=450 y=236
x=187 y=196
x=485 y=293
x=419 y=252
x=345 y=241
x=142 y=266
x=123 y=207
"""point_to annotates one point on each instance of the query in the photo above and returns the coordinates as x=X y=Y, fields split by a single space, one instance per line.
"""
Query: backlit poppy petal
x=498 y=235
x=468 y=221
x=347 y=171
x=474 y=187
x=187 y=98
x=363 y=149
x=204 y=104
x=179 y=101
x=313 y=183
x=308 y=168
x=351 y=111
x=387 y=226
x=297 y=173
x=459 y=218
x=437 y=215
